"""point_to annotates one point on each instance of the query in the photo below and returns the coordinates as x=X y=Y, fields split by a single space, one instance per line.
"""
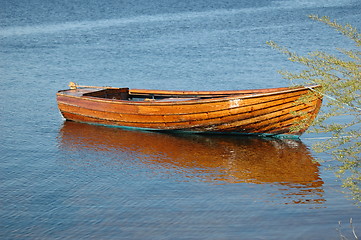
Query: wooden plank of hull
x=177 y=117
x=238 y=129
x=275 y=123
x=251 y=110
x=255 y=122
x=302 y=119
x=245 y=123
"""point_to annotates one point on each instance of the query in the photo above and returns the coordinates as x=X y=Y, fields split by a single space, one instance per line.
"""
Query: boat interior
x=163 y=95
x=158 y=95
x=138 y=95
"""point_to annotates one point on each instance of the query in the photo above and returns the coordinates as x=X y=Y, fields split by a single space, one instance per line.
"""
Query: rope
x=322 y=138
x=334 y=99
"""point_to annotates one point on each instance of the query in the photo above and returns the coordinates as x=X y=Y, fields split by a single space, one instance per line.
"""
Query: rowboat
x=273 y=112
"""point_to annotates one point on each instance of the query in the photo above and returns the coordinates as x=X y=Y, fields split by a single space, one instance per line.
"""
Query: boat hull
x=285 y=112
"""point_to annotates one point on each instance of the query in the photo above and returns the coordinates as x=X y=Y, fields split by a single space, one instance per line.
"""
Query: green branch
x=340 y=77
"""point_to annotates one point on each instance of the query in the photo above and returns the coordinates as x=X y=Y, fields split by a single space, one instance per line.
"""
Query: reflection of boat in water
x=216 y=159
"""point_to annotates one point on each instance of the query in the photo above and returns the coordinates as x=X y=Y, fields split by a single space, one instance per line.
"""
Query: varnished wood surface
x=267 y=111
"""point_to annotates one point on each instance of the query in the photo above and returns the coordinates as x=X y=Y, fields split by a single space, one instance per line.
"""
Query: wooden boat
x=278 y=112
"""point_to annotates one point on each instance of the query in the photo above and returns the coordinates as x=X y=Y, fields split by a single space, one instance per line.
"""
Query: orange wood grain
x=253 y=111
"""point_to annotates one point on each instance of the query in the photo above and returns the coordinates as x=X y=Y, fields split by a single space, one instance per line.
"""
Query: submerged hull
x=268 y=112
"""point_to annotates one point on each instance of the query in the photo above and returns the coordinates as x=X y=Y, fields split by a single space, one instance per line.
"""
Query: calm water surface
x=63 y=180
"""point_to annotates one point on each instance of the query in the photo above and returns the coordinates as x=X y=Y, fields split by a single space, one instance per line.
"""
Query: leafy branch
x=340 y=77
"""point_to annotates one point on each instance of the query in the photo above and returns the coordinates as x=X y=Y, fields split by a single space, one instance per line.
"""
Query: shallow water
x=63 y=180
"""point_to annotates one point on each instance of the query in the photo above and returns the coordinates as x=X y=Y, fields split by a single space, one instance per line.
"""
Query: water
x=62 y=180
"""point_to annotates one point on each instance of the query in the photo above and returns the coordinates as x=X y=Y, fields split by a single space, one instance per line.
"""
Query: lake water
x=64 y=180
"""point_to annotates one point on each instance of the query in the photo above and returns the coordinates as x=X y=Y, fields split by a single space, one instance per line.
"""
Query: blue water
x=62 y=180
